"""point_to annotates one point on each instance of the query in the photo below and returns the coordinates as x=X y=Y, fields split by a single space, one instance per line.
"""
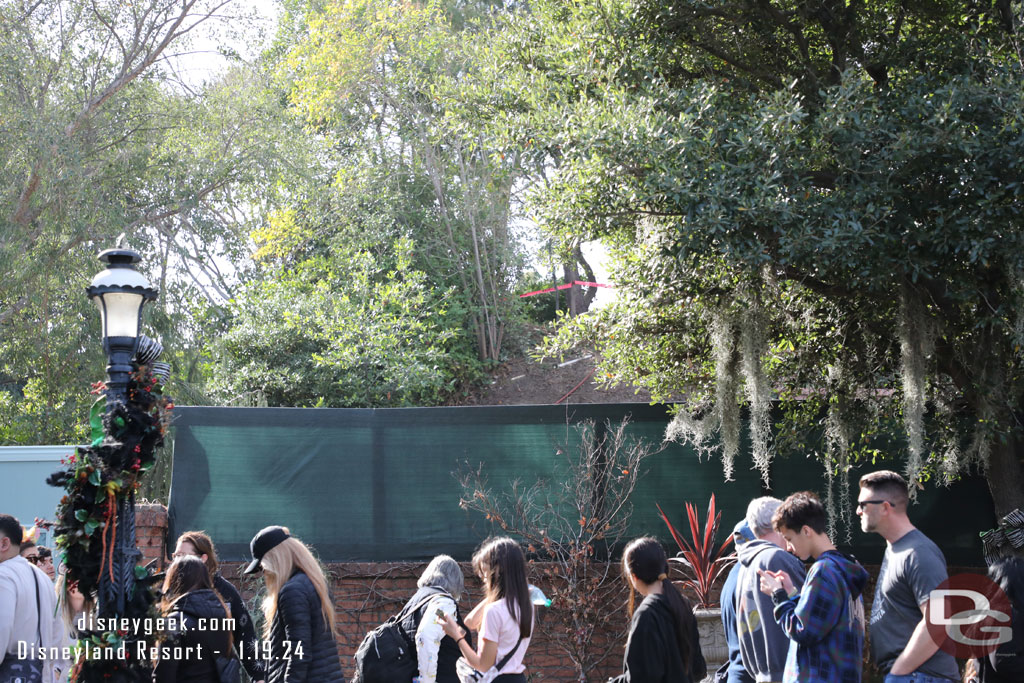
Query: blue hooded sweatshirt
x=825 y=622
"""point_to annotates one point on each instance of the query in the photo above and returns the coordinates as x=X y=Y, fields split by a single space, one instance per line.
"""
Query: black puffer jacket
x=302 y=648
x=245 y=632
x=652 y=650
x=191 y=653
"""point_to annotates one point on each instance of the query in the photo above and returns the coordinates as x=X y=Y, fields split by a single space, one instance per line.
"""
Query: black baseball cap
x=265 y=540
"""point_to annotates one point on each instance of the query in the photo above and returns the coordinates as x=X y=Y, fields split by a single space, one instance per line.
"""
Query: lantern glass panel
x=120 y=313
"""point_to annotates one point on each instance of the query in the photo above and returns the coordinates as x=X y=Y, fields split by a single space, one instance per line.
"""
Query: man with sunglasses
x=29 y=550
x=44 y=560
x=912 y=568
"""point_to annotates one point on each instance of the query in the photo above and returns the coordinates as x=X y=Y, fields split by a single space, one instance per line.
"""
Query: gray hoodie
x=763 y=644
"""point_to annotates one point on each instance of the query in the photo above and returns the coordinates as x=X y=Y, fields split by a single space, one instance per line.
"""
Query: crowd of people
x=787 y=624
x=784 y=620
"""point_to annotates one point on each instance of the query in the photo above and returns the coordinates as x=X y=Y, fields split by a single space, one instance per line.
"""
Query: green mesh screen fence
x=378 y=485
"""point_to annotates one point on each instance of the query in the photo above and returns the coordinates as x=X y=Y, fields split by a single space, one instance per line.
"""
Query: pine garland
x=98 y=479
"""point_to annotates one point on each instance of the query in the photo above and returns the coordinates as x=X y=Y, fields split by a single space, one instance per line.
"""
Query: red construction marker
x=567 y=285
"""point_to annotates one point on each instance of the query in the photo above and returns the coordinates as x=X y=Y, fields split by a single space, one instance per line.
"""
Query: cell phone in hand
x=440 y=613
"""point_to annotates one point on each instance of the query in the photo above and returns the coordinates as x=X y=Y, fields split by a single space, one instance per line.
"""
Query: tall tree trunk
x=1005 y=475
x=573 y=294
x=588 y=275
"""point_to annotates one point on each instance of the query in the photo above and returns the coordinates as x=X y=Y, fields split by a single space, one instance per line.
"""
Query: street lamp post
x=119 y=293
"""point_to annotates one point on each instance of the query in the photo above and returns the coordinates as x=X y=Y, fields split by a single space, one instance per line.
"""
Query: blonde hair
x=278 y=565
x=70 y=616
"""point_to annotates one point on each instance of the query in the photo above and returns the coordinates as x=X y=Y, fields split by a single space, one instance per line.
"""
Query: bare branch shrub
x=572 y=523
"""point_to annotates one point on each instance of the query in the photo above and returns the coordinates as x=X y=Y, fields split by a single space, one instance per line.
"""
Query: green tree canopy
x=344 y=331
x=100 y=143
x=381 y=81
x=819 y=201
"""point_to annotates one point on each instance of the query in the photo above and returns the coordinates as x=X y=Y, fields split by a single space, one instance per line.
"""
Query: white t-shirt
x=499 y=626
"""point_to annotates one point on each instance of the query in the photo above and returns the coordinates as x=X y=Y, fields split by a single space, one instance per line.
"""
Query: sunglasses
x=861 y=504
x=34 y=559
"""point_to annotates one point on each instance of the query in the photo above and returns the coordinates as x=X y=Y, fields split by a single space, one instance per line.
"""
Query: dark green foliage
x=819 y=201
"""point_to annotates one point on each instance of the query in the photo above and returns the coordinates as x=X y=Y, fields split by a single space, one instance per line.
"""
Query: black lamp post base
x=117 y=580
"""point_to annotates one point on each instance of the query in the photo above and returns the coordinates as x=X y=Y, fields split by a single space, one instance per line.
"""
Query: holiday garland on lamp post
x=95 y=527
x=100 y=483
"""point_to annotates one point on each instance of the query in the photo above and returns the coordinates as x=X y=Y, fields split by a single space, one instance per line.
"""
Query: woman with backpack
x=299 y=613
x=440 y=587
x=663 y=644
x=190 y=601
x=504 y=618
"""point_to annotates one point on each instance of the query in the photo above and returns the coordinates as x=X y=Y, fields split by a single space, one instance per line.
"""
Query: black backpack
x=387 y=653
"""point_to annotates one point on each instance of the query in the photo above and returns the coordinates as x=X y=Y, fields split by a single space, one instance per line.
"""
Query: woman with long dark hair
x=201 y=655
x=299 y=613
x=663 y=644
x=504 y=618
x=199 y=544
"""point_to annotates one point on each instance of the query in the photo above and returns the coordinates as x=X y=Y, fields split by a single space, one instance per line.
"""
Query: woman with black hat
x=299 y=612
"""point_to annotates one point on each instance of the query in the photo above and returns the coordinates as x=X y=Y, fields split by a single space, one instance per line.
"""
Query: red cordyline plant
x=704 y=563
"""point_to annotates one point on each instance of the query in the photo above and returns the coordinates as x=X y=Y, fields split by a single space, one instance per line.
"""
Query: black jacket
x=448 y=651
x=302 y=648
x=245 y=632
x=196 y=661
x=1006 y=663
x=652 y=651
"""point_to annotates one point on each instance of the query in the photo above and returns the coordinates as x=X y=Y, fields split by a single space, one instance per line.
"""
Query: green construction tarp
x=379 y=484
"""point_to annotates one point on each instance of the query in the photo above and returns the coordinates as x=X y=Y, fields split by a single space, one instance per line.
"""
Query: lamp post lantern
x=119 y=293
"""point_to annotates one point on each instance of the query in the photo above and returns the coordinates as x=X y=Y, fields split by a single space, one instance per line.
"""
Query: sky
x=244 y=27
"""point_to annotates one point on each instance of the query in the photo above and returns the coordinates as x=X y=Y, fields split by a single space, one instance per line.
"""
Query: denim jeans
x=915 y=677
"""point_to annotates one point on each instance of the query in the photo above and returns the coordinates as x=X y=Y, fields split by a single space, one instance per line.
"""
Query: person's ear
x=204 y=557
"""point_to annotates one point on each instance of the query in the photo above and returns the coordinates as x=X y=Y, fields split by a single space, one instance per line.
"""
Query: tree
x=381 y=80
x=102 y=144
x=574 y=520
x=816 y=201
x=346 y=331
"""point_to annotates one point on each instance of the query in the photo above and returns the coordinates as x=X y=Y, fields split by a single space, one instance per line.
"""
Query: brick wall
x=151 y=532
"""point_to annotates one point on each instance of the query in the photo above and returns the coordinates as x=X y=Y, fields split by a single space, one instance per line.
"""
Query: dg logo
x=969 y=616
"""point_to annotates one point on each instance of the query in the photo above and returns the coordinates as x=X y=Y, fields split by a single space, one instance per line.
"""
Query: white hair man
x=763 y=644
